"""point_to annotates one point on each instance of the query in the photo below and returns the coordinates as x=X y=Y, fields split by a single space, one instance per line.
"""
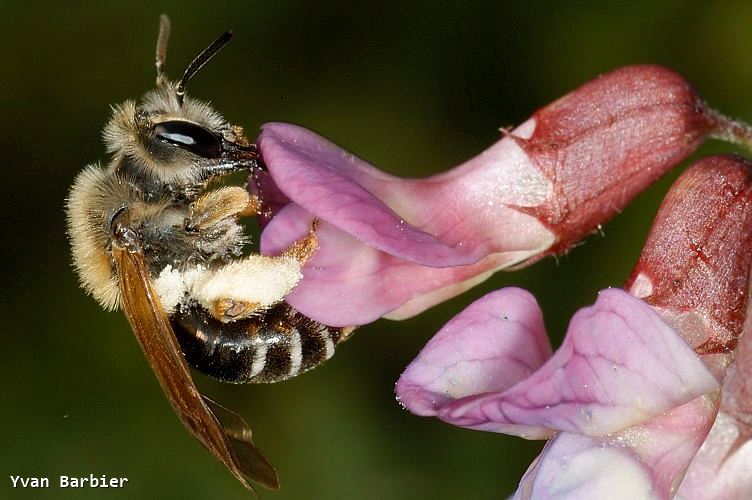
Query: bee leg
x=228 y=309
x=246 y=287
x=250 y=286
x=219 y=204
x=252 y=208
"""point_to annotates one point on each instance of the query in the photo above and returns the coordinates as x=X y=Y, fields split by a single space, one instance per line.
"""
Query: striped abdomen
x=277 y=345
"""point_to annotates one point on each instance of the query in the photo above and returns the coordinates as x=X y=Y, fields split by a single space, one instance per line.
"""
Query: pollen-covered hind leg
x=219 y=204
x=249 y=286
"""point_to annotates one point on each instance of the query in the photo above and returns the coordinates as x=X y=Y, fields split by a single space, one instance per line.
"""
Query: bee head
x=171 y=138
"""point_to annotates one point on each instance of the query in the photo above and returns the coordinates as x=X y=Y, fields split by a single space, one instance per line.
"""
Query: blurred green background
x=415 y=88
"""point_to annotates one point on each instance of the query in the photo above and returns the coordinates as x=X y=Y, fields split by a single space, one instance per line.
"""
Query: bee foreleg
x=219 y=204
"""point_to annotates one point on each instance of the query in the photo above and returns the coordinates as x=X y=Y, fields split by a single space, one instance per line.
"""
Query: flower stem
x=730 y=130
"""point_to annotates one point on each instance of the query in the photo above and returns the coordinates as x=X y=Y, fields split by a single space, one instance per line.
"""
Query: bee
x=150 y=235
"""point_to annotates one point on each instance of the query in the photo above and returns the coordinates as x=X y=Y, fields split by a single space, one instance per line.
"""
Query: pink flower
x=649 y=394
x=392 y=246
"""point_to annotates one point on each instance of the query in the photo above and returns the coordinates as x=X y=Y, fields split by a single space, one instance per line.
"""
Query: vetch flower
x=631 y=395
x=393 y=246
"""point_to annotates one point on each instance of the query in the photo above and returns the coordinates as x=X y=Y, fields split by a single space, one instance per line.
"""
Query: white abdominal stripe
x=257 y=279
x=296 y=353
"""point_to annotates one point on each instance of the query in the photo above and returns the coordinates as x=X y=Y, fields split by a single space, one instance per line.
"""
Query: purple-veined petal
x=618 y=366
x=492 y=345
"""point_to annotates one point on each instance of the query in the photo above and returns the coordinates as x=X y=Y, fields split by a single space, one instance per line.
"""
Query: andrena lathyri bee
x=151 y=235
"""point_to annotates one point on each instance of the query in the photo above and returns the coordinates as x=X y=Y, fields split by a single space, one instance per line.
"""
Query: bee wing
x=221 y=431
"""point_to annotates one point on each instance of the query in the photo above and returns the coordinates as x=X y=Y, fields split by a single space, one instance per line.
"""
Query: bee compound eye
x=189 y=136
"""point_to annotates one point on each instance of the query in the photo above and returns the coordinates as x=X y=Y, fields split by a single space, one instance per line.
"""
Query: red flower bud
x=605 y=142
x=696 y=261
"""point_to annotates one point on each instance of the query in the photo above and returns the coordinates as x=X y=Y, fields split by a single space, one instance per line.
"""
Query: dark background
x=415 y=89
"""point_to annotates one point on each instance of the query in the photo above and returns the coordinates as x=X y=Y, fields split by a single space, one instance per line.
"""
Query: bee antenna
x=162 y=39
x=200 y=60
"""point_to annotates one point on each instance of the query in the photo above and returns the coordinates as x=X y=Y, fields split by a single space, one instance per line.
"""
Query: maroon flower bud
x=696 y=261
x=604 y=143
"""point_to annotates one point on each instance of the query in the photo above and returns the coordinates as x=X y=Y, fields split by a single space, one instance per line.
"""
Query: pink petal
x=349 y=283
x=645 y=461
x=721 y=469
x=490 y=346
x=357 y=198
x=618 y=366
x=573 y=466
